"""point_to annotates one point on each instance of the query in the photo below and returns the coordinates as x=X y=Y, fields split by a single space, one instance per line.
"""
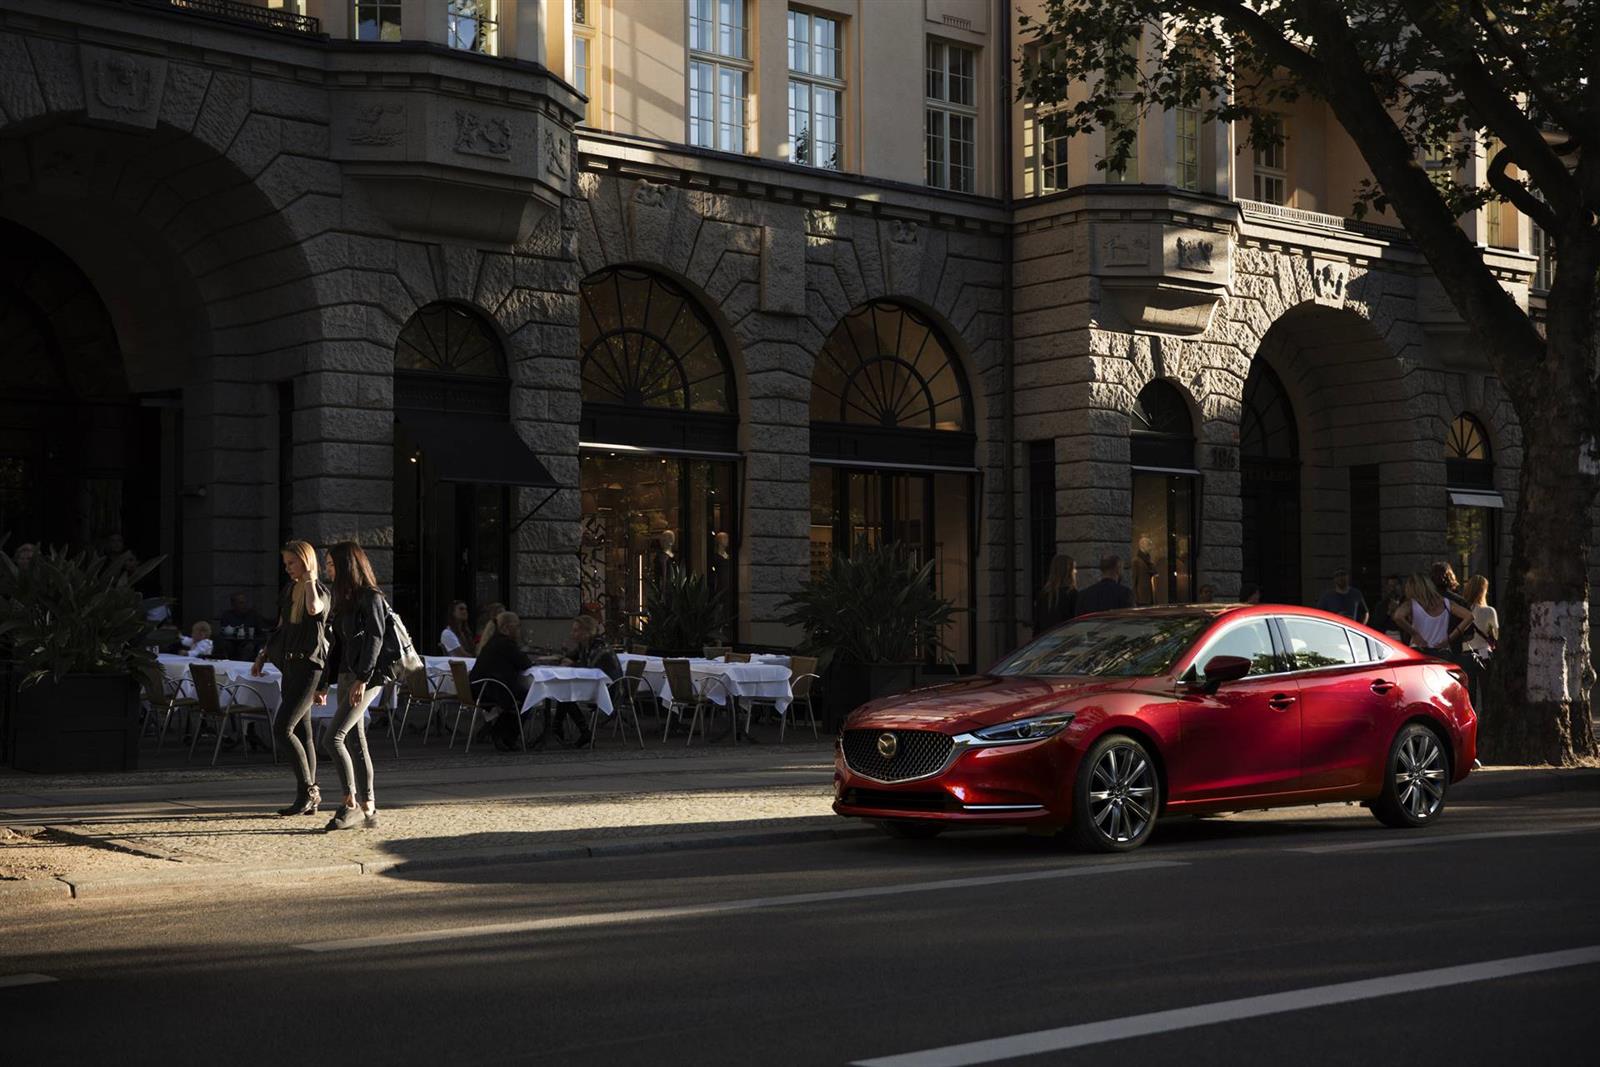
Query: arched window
x=1466 y=442
x=1161 y=446
x=449 y=339
x=1472 y=506
x=1266 y=425
x=659 y=439
x=893 y=449
x=646 y=343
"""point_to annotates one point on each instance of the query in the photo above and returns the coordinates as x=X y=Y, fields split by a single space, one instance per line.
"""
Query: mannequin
x=721 y=564
x=1144 y=573
x=666 y=558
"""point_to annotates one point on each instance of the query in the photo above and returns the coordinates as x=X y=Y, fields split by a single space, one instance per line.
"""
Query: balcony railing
x=268 y=18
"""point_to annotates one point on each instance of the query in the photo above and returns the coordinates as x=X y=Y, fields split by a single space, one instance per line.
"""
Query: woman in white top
x=1424 y=617
x=456 y=639
x=1485 y=621
x=198 y=643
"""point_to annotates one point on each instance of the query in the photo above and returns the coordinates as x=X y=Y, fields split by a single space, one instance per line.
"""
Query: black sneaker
x=345 y=819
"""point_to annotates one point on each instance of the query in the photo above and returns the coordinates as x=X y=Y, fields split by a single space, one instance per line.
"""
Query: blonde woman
x=1424 y=617
x=1485 y=620
x=486 y=623
x=299 y=648
x=1058 y=598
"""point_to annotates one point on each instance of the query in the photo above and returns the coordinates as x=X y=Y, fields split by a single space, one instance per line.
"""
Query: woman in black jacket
x=1058 y=597
x=501 y=658
x=299 y=648
x=359 y=615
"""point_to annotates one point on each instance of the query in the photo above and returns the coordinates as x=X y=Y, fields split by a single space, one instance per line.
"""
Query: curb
x=1507 y=785
x=99 y=887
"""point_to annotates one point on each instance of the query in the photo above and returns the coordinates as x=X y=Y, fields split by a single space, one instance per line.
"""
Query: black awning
x=459 y=447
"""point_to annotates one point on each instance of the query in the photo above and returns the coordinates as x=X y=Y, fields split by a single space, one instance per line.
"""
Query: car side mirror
x=1220 y=669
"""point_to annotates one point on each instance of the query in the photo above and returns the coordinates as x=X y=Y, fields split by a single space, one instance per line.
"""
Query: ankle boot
x=305 y=803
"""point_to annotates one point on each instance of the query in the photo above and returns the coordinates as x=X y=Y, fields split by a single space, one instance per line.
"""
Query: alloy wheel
x=1419 y=775
x=1121 y=791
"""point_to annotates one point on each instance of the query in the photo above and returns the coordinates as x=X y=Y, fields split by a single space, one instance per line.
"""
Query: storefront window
x=1161 y=557
x=659 y=461
x=892 y=453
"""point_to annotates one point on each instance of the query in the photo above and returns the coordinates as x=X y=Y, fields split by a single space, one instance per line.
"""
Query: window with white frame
x=952 y=116
x=719 y=74
x=1271 y=161
x=1045 y=133
x=472 y=26
x=377 y=20
x=1544 y=267
x=1186 y=148
x=1124 y=116
x=816 y=90
x=583 y=55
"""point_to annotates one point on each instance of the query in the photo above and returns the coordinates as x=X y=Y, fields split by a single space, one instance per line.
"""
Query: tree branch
x=1514 y=191
x=1277 y=47
x=1518 y=57
x=1499 y=110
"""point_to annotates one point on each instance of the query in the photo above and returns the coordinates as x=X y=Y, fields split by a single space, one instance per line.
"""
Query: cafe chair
x=470 y=697
x=688 y=702
x=228 y=704
x=417 y=690
x=715 y=651
x=736 y=657
x=624 y=701
x=802 y=679
x=159 y=701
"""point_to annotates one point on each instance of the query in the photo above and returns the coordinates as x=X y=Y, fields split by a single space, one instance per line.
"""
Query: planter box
x=85 y=722
x=851 y=685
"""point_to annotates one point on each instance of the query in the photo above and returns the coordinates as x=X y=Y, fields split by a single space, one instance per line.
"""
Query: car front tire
x=1416 y=777
x=1116 y=796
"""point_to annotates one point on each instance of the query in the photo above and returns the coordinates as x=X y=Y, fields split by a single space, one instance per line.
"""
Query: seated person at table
x=457 y=638
x=502 y=659
x=240 y=616
x=198 y=643
x=589 y=648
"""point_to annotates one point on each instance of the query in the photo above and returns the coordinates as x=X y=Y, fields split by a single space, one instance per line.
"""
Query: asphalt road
x=1309 y=937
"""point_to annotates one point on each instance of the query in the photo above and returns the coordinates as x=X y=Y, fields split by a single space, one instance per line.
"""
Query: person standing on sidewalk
x=1343 y=598
x=299 y=649
x=359 y=618
x=1058 y=598
x=1424 y=618
x=1108 y=593
x=1485 y=634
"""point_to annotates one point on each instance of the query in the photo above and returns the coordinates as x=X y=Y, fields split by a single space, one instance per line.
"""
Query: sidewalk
x=154 y=831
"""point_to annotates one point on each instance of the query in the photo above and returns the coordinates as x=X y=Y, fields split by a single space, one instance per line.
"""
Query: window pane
x=826 y=47
x=799 y=122
x=730 y=37
x=701 y=106
x=799 y=42
x=1315 y=644
x=701 y=28
x=731 y=113
x=1249 y=641
x=936 y=135
x=935 y=71
x=1053 y=153
x=963 y=64
x=962 y=162
x=825 y=112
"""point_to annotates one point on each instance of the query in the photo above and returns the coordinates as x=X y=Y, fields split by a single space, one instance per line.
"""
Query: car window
x=1250 y=640
x=1359 y=645
x=1112 y=646
x=1313 y=644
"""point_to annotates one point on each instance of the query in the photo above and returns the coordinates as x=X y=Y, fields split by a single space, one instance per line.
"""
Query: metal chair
x=161 y=702
x=802 y=676
x=736 y=657
x=690 y=702
x=417 y=688
x=222 y=704
x=715 y=651
x=624 y=692
x=474 y=702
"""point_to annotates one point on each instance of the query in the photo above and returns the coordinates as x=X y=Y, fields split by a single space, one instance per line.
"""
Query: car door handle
x=1280 y=702
x=1382 y=686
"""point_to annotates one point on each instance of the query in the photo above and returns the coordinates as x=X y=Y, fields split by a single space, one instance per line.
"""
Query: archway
x=80 y=458
x=1269 y=487
x=659 y=452
x=893 y=451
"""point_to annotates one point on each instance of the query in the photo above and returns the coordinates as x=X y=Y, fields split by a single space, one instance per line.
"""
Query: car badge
x=888 y=745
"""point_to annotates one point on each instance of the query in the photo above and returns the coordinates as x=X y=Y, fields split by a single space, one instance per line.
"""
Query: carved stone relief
x=1329 y=281
x=378 y=125
x=122 y=87
x=480 y=135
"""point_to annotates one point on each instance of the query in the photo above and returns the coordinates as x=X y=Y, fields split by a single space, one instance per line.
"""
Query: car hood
x=973 y=703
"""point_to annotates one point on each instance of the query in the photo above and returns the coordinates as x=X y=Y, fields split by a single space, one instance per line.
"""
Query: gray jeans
x=300 y=680
x=356 y=777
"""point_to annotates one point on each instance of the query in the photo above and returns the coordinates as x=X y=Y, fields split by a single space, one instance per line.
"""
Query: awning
x=459 y=447
x=1476 y=498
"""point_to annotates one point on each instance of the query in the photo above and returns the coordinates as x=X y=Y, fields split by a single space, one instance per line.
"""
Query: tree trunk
x=1539 y=692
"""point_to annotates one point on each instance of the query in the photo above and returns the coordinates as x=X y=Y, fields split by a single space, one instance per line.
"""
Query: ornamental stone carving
x=903 y=232
x=556 y=152
x=123 y=88
x=378 y=125
x=1193 y=253
x=1124 y=246
x=650 y=194
x=1329 y=281
x=480 y=135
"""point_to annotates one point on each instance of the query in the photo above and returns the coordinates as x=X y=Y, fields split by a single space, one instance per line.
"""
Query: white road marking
x=23 y=979
x=1405 y=840
x=1160 y=1022
x=614 y=918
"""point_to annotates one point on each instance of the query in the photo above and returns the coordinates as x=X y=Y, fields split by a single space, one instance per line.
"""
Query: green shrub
x=873 y=606
x=73 y=613
x=681 y=613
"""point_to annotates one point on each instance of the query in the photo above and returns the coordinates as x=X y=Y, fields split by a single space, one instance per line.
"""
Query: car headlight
x=1019 y=731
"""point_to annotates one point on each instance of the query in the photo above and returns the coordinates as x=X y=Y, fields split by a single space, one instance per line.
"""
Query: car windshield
x=1122 y=646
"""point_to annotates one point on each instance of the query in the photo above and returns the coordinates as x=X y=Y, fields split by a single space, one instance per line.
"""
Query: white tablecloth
x=268 y=687
x=575 y=685
x=746 y=681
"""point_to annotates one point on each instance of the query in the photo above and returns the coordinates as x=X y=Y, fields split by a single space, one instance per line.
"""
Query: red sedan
x=1102 y=725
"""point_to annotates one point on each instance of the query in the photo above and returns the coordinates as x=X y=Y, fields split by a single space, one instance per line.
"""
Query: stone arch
x=193 y=200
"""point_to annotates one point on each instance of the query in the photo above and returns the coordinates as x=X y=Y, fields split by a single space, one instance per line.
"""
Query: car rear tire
x=910 y=829
x=1116 y=796
x=1416 y=778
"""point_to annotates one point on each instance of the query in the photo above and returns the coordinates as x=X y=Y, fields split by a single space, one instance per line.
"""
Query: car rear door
x=1345 y=700
x=1244 y=739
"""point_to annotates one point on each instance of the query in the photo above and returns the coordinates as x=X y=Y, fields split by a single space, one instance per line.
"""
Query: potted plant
x=76 y=628
x=682 y=614
x=874 y=620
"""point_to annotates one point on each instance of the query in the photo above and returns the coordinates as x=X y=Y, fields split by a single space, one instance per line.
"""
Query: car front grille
x=917 y=753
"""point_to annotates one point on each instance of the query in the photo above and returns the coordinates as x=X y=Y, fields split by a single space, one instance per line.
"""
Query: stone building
x=539 y=297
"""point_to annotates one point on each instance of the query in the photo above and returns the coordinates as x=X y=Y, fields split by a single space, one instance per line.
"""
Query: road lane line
x=1402 y=840
x=1160 y=1022
x=614 y=918
x=7 y=980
